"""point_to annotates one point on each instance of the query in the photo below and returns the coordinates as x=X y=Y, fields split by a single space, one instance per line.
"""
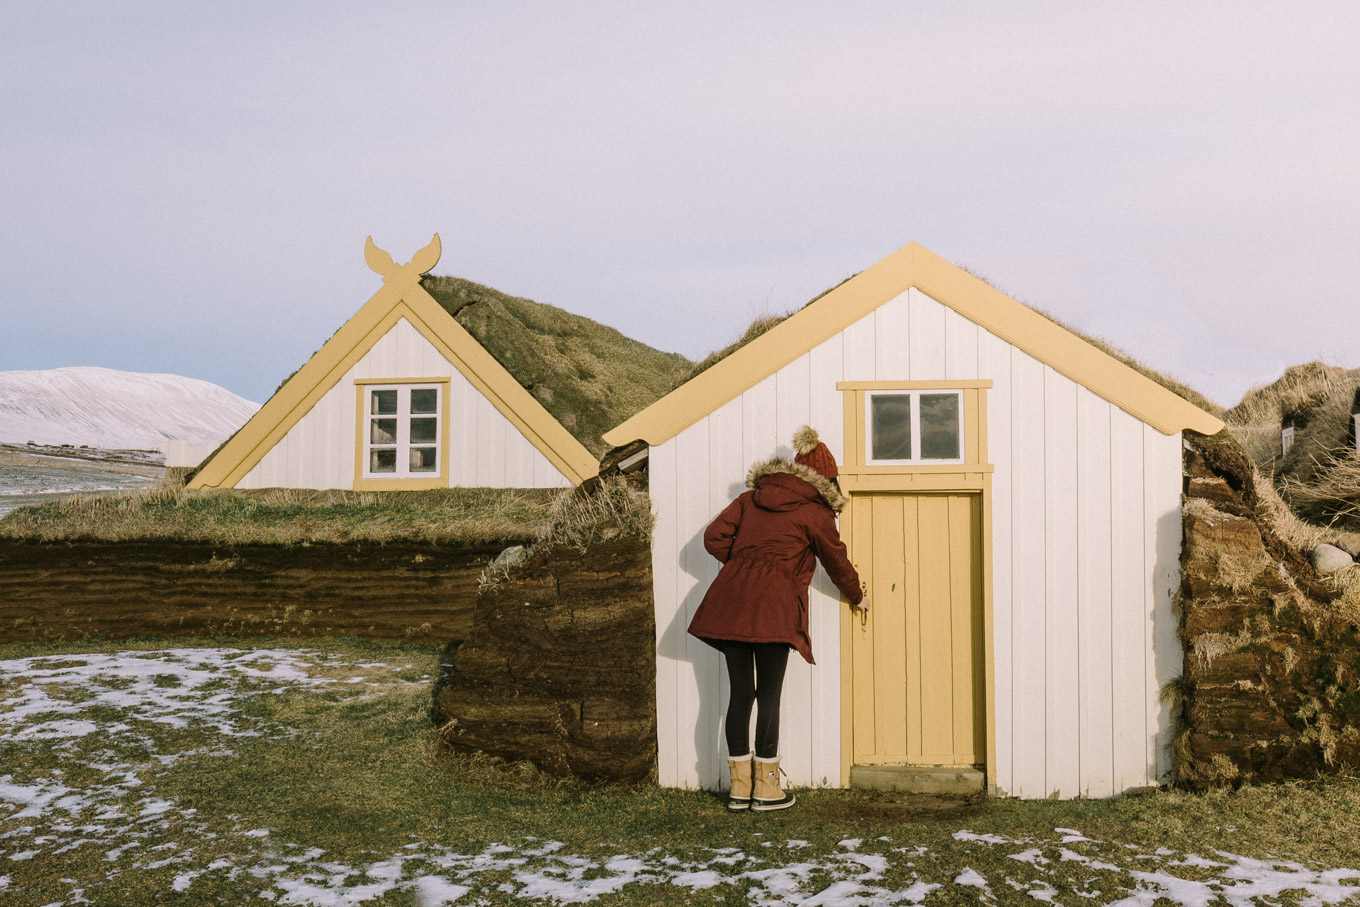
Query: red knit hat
x=813 y=453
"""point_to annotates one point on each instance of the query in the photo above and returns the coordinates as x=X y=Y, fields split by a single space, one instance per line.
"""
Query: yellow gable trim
x=914 y=266
x=349 y=344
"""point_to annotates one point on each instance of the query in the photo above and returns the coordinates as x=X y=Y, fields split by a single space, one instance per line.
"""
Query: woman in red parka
x=769 y=541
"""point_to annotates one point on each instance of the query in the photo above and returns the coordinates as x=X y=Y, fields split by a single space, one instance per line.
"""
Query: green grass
x=354 y=770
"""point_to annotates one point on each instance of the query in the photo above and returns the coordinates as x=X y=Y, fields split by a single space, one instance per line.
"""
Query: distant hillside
x=590 y=377
x=107 y=408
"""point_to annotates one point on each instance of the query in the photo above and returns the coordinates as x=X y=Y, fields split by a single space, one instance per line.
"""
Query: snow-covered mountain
x=106 y=408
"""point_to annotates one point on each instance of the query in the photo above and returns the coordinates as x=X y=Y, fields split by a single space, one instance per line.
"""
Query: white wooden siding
x=1084 y=552
x=485 y=448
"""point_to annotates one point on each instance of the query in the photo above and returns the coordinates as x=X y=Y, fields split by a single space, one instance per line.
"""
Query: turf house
x=1015 y=506
x=401 y=397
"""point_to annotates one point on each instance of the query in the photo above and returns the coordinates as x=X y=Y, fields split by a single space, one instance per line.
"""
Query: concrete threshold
x=919 y=779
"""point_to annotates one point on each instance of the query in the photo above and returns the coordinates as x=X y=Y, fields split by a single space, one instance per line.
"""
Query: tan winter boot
x=768 y=795
x=739 y=797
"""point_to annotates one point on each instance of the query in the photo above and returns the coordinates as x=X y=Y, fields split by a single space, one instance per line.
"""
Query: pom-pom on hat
x=813 y=453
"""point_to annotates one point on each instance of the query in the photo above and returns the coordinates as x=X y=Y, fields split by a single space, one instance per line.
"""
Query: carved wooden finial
x=381 y=263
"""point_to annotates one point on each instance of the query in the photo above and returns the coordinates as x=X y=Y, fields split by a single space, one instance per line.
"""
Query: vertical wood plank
x=404 y=350
x=1029 y=640
x=329 y=419
x=514 y=457
x=697 y=679
x=826 y=367
x=491 y=438
x=793 y=393
x=383 y=354
x=981 y=625
x=465 y=431
x=1128 y=582
x=859 y=349
x=960 y=347
x=760 y=439
x=826 y=407
x=926 y=328
x=663 y=490
x=1095 y=658
x=1162 y=523
x=893 y=543
x=297 y=446
x=994 y=362
x=891 y=339
x=862 y=667
x=1061 y=558
x=935 y=631
x=964 y=624
x=726 y=475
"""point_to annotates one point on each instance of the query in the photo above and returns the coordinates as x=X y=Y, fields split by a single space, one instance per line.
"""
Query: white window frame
x=916 y=459
x=1286 y=439
x=403 y=417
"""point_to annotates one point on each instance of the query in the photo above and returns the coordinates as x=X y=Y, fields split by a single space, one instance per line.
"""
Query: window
x=1286 y=439
x=914 y=426
x=402 y=431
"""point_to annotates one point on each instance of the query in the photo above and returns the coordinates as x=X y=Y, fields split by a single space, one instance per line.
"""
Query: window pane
x=423 y=459
x=382 y=460
x=423 y=431
x=891 y=428
x=384 y=403
x=940 y=427
x=382 y=431
x=424 y=400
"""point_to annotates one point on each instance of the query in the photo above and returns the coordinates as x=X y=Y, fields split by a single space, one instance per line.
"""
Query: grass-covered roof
x=589 y=376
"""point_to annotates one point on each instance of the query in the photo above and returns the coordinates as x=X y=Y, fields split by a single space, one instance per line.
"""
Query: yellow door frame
x=973 y=475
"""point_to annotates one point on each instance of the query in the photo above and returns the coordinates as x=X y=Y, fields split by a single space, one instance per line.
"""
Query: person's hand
x=864 y=600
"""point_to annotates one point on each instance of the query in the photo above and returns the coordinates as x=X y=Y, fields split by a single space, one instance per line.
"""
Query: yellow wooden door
x=917 y=661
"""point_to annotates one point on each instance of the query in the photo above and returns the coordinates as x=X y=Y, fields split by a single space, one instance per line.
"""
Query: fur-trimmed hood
x=828 y=490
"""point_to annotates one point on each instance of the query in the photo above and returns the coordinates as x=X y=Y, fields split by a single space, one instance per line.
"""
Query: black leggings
x=756 y=670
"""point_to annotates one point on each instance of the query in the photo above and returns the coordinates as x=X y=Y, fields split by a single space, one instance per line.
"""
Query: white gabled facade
x=1085 y=543
x=400 y=398
x=485 y=448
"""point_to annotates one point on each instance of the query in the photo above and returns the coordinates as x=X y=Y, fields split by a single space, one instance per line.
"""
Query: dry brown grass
x=616 y=510
x=1256 y=420
x=291 y=516
x=1330 y=492
x=761 y=325
x=1304 y=536
x=1297 y=533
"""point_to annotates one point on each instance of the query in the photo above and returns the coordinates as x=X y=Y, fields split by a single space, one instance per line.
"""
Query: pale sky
x=186 y=187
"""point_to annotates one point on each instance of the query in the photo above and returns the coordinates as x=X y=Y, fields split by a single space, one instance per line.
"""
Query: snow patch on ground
x=44 y=813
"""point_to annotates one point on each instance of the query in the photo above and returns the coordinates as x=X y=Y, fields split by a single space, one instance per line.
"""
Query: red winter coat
x=769 y=541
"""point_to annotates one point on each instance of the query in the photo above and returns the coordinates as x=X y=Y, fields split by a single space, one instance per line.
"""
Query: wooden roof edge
x=915 y=266
x=401 y=284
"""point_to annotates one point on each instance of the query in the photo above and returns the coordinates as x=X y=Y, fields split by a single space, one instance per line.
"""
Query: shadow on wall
x=1168 y=652
x=699 y=666
x=702 y=685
